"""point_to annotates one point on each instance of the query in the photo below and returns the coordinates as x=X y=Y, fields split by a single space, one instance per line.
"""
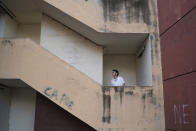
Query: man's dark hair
x=115 y=70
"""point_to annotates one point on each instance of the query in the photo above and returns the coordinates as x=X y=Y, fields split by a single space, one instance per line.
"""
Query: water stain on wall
x=7 y=42
x=106 y=108
x=106 y=105
x=131 y=10
x=107 y=99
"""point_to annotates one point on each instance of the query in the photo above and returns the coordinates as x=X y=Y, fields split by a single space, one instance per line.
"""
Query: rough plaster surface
x=31 y=31
x=72 y=48
x=114 y=24
x=144 y=65
x=101 y=112
x=51 y=76
x=105 y=14
x=10 y=28
x=105 y=108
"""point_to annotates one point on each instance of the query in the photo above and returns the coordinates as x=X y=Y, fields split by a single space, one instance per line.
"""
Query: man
x=117 y=80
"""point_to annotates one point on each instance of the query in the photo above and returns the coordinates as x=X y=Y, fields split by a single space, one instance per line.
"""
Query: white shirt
x=118 y=82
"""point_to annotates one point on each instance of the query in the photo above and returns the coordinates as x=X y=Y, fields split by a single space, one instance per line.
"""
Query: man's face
x=114 y=73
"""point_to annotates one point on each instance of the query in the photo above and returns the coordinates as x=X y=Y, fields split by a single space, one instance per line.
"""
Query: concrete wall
x=31 y=31
x=134 y=69
x=22 y=109
x=72 y=48
x=8 y=27
x=144 y=66
x=48 y=74
x=105 y=15
x=125 y=63
x=4 y=109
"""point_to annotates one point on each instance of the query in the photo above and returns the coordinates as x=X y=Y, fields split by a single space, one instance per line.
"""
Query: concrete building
x=56 y=62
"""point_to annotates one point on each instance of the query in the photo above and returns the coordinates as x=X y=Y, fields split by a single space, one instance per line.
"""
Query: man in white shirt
x=117 y=80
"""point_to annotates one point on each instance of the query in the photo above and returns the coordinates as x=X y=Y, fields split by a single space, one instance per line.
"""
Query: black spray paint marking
x=134 y=10
x=66 y=100
x=7 y=43
x=53 y=94
x=46 y=91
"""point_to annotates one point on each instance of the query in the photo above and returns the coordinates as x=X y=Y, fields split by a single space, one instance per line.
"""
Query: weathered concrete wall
x=32 y=31
x=22 y=109
x=126 y=65
x=72 y=48
x=129 y=11
x=108 y=15
x=128 y=108
x=49 y=75
x=104 y=110
x=107 y=108
x=10 y=28
x=144 y=65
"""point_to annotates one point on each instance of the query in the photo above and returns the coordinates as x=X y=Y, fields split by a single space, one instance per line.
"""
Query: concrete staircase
x=75 y=92
x=103 y=108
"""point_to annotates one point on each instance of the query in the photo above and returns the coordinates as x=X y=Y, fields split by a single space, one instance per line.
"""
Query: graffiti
x=182 y=114
x=6 y=43
x=62 y=99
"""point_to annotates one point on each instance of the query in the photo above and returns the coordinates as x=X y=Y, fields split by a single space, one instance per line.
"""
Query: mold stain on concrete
x=119 y=90
x=7 y=43
x=129 y=93
x=152 y=98
x=106 y=108
x=119 y=93
x=144 y=101
x=135 y=10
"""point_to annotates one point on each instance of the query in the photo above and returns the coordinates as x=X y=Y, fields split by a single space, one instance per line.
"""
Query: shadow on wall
x=133 y=10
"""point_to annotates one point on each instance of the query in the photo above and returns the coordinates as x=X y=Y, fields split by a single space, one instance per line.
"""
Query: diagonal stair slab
x=46 y=73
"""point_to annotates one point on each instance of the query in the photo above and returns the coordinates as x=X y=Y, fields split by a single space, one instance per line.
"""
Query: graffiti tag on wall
x=182 y=114
x=62 y=99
